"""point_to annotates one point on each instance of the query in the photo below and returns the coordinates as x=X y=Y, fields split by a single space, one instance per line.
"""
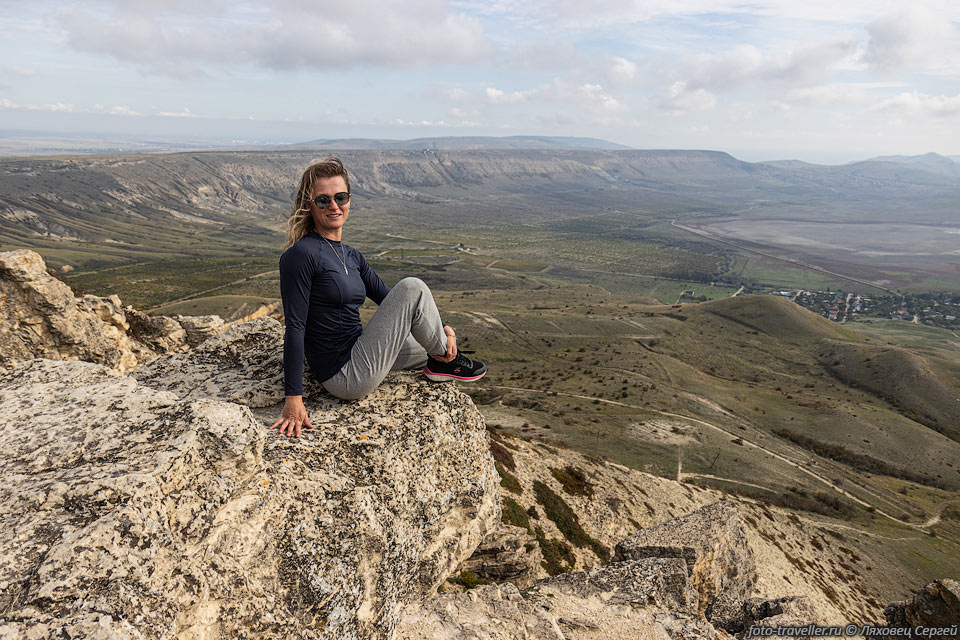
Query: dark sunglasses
x=323 y=200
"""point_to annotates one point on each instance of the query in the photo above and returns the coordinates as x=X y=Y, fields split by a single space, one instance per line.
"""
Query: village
x=940 y=310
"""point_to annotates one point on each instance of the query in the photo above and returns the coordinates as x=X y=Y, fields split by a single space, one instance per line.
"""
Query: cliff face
x=134 y=511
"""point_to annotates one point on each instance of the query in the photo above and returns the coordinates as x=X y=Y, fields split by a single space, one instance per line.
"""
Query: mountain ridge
x=462 y=143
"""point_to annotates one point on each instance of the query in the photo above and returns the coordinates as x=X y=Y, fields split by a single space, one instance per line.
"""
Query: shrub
x=567 y=521
x=573 y=480
x=508 y=481
x=468 y=579
x=514 y=514
x=557 y=555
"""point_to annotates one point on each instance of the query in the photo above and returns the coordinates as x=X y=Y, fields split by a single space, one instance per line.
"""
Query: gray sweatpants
x=400 y=334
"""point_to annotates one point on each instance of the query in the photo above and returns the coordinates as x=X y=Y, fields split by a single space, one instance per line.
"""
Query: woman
x=323 y=282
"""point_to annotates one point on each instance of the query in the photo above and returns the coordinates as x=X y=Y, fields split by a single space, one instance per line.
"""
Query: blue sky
x=818 y=80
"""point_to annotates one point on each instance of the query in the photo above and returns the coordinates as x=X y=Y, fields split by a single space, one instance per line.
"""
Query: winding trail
x=198 y=294
x=939 y=511
x=746 y=442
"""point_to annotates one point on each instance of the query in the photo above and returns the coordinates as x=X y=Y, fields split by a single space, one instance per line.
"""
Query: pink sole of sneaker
x=443 y=377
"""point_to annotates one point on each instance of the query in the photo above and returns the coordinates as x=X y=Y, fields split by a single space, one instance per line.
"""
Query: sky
x=819 y=80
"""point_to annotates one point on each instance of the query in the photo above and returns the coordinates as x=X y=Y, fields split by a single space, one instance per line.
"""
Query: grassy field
x=153 y=284
x=909 y=334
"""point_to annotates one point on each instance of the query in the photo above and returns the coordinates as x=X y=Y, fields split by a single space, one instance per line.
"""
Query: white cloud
x=914 y=38
x=62 y=107
x=561 y=89
x=123 y=110
x=186 y=113
x=746 y=64
x=59 y=107
x=281 y=34
x=622 y=71
x=595 y=95
x=680 y=99
x=457 y=95
x=23 y=72
x=914 y=103
x=497 y=96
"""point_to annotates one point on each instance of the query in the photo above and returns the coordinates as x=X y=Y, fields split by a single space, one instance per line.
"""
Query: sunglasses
x=323 y=200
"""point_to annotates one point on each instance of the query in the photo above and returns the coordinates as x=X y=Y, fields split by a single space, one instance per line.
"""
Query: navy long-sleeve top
x=321 y=305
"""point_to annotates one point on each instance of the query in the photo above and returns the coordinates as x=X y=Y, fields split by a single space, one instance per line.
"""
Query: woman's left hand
x=451 y=346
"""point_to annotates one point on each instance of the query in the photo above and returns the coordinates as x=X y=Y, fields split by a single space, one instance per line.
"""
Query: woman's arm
x=451 y=345
x=297 y=268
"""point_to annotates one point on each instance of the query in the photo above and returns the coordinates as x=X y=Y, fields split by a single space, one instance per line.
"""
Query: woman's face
x=328 y=222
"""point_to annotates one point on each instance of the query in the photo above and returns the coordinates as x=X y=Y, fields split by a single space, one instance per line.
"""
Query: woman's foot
x=460 y=368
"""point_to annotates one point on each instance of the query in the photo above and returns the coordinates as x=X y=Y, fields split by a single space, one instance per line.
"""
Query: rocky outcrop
x=791 y=611
x=792 y=556
x=244 y=364
x=40 y=317
x=723 y=572
x=643 y=599
x=652 y=589
x=508 y=554
x=131 y=512
x=199 y=328
x=936 y=605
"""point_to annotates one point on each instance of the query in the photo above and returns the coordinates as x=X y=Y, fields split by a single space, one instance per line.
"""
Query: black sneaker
x=460 y=368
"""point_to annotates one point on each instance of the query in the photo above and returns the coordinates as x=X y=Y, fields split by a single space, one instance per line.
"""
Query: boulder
x=641 y=599
x=130 y=512
x=724 y=571
x=935 y=605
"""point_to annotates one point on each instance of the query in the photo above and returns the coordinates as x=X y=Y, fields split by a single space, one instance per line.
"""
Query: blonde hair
x=300 y=222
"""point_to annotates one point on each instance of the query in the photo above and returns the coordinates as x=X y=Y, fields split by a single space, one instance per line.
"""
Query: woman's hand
x=293 y=416
x=451 y=345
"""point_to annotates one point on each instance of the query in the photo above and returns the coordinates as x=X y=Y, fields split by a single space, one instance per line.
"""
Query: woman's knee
x=412 y=285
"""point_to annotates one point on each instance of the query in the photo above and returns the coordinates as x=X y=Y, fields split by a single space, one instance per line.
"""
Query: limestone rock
x=161 y=333
x=642 y=599
x=936 y=605
x=724 y=572
x=243 y=364
x=131 y=513
x=508 y=554
x=41 y=317
x=199 y=328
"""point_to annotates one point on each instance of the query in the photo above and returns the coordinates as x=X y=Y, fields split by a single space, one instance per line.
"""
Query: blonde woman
x=323 y=282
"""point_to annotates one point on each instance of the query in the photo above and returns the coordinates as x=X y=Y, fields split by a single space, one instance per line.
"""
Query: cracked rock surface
x=132 y=512
x=648 y=599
